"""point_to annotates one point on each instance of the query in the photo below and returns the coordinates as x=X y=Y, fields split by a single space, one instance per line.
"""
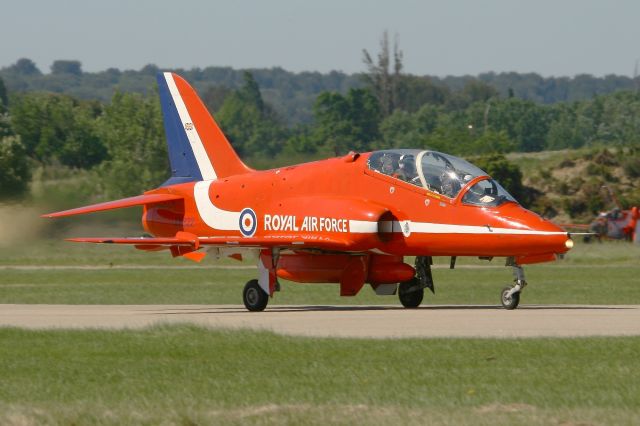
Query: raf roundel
x=248 y=222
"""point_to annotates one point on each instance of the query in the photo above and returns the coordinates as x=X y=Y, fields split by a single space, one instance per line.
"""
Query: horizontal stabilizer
x=139 y=200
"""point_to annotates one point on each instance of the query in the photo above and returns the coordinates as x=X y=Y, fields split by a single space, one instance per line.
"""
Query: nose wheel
x=509 y=299
x=510 y=296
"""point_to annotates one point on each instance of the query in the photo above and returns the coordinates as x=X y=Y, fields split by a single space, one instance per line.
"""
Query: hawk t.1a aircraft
x=349 y=220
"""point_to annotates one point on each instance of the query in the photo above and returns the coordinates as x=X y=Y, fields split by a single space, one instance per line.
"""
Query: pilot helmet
x=388 y=163
x=407 y=161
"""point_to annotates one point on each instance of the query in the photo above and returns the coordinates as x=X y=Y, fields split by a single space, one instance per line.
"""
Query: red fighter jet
x=349 y=220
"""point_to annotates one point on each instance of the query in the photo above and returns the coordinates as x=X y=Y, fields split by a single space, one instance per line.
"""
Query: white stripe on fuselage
x=213 y=216
x=444 y=228
x=225 y=220
x=203 y=160
x=363 y=227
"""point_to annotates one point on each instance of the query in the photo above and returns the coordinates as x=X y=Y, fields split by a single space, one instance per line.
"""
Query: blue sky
x=437 y=37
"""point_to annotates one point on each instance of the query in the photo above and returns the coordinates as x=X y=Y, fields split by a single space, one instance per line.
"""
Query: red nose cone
x=538 y=235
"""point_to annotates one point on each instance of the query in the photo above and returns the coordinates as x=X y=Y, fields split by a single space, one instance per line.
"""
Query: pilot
x=389 y=165
x=407 y=169
x=450 y=182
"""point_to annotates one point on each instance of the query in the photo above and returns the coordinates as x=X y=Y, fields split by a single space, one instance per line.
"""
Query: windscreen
x=445 y=174
x=487 y=193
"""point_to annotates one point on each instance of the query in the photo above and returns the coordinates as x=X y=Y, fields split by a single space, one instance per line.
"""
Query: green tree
x=414 y=92
x=66 y=67
x=619 y=118
x=25 y=67
x=490 y=142
x=214 y=97
x=133 y=133
x=5 y=123
x=408 y=130
x=345 y=123
x=507 y=174
x=473 y=91
x=58 y=127
x=4 y=98
x=83 y=147
x=250 y=124
x=15 y=173
x=525 y=122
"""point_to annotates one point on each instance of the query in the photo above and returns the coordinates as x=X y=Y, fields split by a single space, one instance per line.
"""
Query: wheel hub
x=252 y=296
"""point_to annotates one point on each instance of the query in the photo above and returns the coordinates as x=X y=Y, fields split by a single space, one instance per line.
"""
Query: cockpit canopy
x=440 y=173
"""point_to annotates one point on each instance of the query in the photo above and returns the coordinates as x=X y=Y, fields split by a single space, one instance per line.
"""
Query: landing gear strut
x=510 y=296
x=423 y=272
x=411 y=292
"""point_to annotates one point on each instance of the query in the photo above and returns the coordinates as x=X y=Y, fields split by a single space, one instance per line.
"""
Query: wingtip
x=88 y=240
x=50 y=215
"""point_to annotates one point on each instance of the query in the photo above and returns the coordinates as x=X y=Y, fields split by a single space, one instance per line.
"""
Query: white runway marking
x=345 y=321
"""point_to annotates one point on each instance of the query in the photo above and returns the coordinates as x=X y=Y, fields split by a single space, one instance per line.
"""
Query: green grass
x=591 y=274
x=189 y=375
x=569 y=284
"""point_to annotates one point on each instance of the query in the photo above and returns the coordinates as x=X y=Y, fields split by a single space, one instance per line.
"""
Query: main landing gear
x=254 y=297
x=256 y=292
x=411 y=292
x=510 y=296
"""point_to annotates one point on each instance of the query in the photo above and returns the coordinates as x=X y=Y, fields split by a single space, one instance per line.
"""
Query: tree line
x=120 y=143
x=293 y=95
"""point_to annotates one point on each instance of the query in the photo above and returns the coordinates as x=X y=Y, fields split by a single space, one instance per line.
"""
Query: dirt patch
x=19 y=224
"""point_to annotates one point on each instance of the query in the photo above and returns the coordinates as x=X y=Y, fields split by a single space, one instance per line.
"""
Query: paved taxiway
x=345 y=321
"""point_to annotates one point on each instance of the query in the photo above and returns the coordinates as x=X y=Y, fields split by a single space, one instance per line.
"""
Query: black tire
x=410 y=299
x=254 y=297
x=511 y=302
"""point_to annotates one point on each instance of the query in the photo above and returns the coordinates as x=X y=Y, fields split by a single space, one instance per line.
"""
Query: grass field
x=187 y=375
x=51 y=272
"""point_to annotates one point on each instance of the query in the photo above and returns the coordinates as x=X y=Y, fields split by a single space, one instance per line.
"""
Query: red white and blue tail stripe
x=198 y=150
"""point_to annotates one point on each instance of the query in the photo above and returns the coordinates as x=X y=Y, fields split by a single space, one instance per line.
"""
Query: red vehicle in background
x=614 y=224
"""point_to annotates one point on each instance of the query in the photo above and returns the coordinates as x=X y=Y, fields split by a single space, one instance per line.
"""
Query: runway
x=345 y=321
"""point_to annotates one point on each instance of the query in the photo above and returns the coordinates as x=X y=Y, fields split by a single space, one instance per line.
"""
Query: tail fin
x=198 y=150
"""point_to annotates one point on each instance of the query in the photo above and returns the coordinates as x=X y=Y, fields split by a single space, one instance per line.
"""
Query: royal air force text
x=278 y=222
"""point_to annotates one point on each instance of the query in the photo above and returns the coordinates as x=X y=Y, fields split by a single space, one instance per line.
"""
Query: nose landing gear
x=510 y=296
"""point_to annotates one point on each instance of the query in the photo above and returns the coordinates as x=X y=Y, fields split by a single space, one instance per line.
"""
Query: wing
x=190 y=240
x=186 y=245
x=138 y=200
